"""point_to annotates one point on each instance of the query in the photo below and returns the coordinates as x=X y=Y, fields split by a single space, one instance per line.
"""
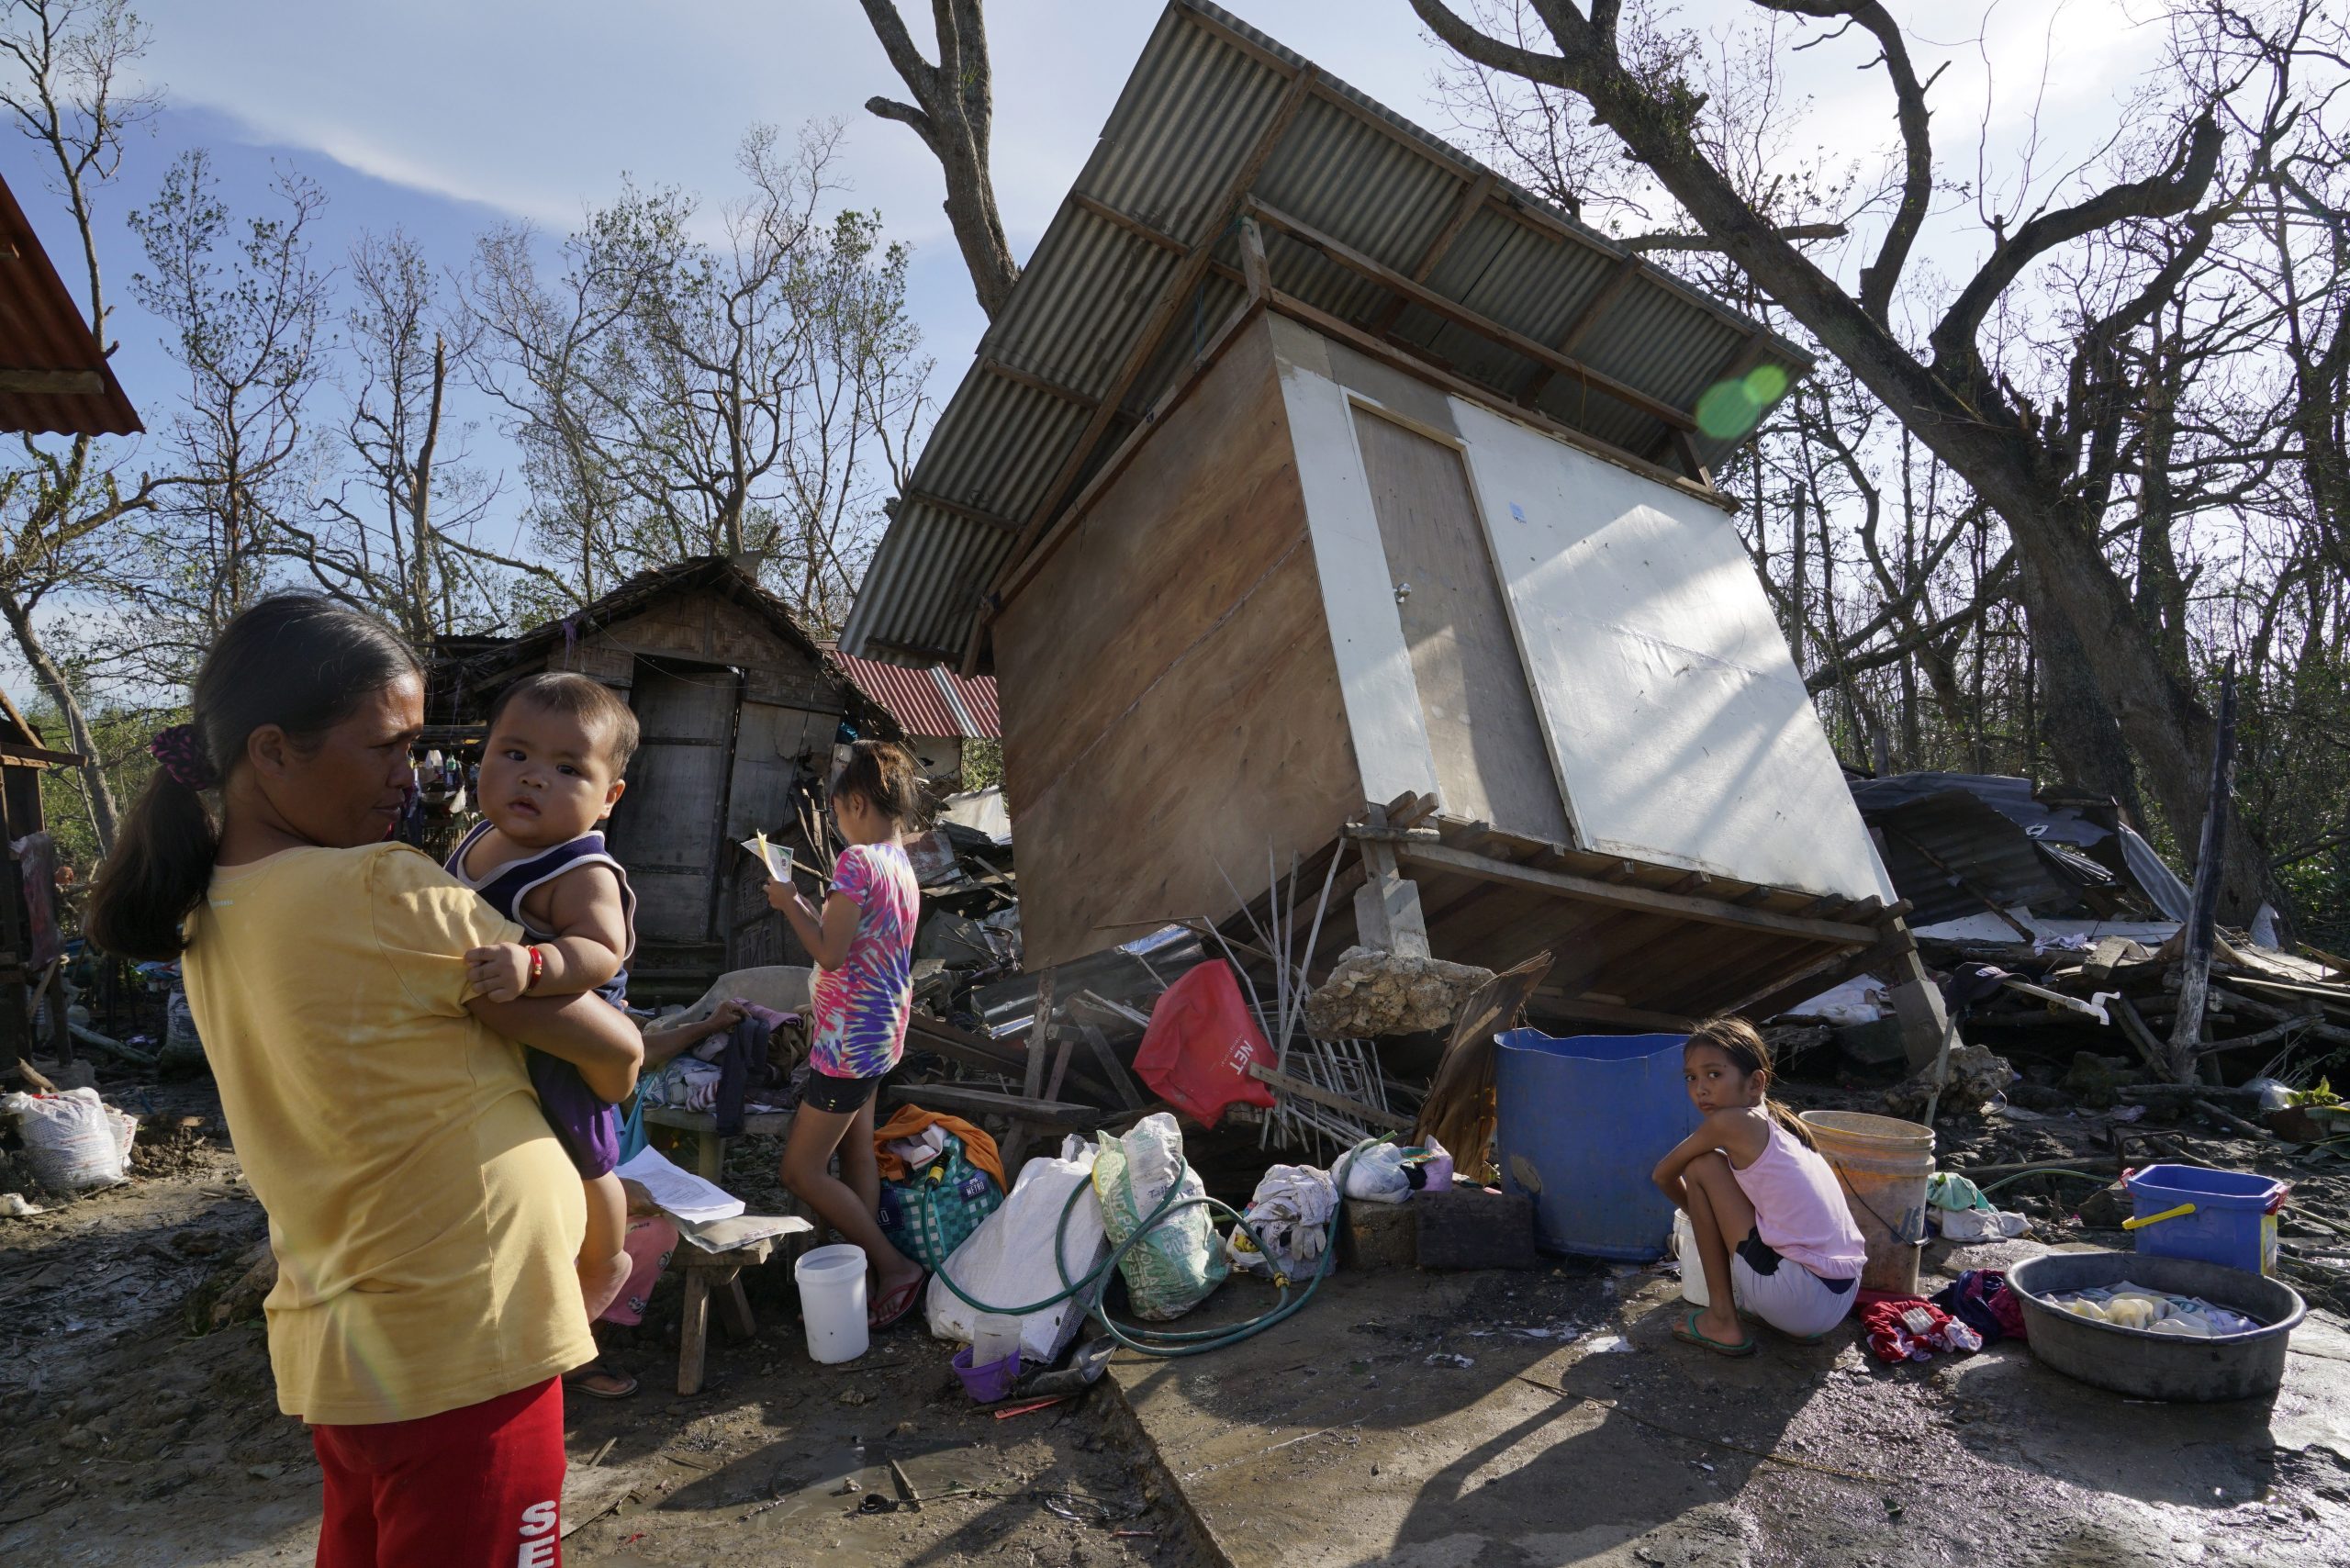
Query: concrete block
x=1468 y=1227
x=1377 y=1236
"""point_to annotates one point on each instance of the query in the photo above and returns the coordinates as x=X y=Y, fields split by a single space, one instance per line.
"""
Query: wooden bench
x=709 y=1149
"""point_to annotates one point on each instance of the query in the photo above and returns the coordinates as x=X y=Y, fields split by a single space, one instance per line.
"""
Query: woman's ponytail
x=160 y=868
x=1744 y=1045
x=297 y=661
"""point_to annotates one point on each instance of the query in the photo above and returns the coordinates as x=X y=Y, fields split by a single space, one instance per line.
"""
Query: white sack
x=1008 y=1261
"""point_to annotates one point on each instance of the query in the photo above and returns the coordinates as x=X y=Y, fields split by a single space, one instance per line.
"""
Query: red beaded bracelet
x=538 y=969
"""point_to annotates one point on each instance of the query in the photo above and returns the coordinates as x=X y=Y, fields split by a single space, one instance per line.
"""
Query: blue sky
x=446 y=118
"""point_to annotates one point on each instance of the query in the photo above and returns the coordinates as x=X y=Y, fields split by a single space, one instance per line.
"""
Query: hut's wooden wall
x=1170 y=696
x=685 y=807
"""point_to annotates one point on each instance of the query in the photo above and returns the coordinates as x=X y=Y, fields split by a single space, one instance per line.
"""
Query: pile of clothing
x=731 y=1074
x=2126 y=1305
x=1978 y=1308
x=1962 y=1212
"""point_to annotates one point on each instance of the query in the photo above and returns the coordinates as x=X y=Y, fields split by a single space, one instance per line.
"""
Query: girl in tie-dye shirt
x=862 y=940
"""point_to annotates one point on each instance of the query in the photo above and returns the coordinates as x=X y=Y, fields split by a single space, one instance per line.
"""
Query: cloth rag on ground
x=1910 y=1328
x=1291 y=1210
x=912 y=1121
x=1981 y=1299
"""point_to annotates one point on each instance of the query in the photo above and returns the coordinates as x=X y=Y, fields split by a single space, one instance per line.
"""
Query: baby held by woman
x=550 y=771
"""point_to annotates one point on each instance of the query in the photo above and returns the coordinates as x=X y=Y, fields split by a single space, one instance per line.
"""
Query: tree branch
x=2175 y=190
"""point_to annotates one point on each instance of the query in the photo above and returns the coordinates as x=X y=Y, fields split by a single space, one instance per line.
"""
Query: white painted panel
x=1374 y=665
x=1684 y=734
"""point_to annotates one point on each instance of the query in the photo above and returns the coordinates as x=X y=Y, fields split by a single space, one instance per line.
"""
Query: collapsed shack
x=2051 y=913
x=1320 y=493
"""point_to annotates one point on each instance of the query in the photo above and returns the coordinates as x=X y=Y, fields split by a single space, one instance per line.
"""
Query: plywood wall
x=1171 y=698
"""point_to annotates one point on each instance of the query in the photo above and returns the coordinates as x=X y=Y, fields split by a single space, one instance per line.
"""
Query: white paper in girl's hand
x=776 y=858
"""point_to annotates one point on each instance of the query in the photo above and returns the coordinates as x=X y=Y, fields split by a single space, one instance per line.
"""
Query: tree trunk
x=46 y=670
x=1963 y=419
x=2081 y=730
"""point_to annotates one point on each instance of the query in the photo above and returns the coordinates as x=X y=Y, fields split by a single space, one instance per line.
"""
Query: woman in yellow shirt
x=423 y=1217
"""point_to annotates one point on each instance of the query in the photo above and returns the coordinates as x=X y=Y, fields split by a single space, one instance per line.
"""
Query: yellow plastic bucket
x=1883 y=1165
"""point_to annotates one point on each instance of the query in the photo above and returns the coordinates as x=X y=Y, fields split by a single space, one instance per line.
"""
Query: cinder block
x=1468 y=1227
x=1377 y=1236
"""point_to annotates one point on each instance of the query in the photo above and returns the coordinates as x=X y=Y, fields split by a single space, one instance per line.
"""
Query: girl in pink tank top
x=1776 y=1239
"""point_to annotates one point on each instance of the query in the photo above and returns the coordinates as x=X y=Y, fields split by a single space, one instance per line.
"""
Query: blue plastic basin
x=1580 y=1122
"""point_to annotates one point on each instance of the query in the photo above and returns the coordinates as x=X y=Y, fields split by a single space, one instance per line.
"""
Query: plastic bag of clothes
x=1008 y=1261
x=74 y=1140
x=1376 y=1175
x=1291 y=1210
x=1173 y=1268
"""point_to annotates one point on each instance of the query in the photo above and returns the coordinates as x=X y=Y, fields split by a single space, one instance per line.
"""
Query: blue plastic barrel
x=2233 y=1225
x=1580 y=1122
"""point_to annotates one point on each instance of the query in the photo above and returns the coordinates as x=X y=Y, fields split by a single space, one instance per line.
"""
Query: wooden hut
x=54 y=380
x=739 y=712
x=1318 y=493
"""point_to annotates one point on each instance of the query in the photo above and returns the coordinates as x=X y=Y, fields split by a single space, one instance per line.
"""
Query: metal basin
x=2158 y=1366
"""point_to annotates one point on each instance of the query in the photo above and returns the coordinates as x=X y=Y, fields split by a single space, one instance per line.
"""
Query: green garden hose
x=1170 y=1342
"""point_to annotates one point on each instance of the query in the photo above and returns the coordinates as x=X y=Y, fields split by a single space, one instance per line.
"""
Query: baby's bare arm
x=585 y=910
x=591 y=924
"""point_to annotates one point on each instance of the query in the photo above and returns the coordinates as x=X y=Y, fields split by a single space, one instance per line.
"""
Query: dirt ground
x=1576 y=1433
x=131 y=1439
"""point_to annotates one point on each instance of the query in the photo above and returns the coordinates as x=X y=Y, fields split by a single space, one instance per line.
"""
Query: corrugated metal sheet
x=1202 y=96
x=932 y=701
x=42 y=329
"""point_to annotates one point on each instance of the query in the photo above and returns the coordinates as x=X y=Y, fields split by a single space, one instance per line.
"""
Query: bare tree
x=62 y=506
x=244 y=302
x=2044 y=465
x=393 y=534
x=953 y=113
x=676 y=397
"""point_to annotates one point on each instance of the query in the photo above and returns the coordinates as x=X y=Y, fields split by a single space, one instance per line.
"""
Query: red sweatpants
x=478 y=1488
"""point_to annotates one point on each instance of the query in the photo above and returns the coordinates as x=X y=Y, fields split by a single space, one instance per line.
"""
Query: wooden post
x=1040 y=1037
x=1387 y=905
x=2195 y=980
x=1253 y=265
x=1926 y=1031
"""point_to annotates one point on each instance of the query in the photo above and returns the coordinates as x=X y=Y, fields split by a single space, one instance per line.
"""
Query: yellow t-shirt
x=425 y=1220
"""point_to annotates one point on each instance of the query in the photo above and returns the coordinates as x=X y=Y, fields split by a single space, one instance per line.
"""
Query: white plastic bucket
x=832 y=1302
x=1883 y=1165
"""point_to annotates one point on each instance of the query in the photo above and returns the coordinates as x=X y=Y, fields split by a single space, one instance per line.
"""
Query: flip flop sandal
x=577 y=1382
x=1686 y=1332
x=892 y=1309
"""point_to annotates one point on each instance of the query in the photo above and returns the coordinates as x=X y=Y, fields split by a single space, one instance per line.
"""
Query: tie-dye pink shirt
x=859 y=1010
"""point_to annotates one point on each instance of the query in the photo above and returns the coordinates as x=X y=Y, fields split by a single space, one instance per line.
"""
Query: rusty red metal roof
x=933 y=701
x=54 y=379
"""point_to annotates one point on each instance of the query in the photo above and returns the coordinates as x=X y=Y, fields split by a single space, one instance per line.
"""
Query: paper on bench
x=681 y=1194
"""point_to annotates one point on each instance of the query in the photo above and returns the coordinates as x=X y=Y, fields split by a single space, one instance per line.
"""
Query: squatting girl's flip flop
x=1686 y=1332
x=892 y=1308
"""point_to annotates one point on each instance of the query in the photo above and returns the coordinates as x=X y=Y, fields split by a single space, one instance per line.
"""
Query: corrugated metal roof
x=933 y=701
x=1202 y=96
x=44 y=331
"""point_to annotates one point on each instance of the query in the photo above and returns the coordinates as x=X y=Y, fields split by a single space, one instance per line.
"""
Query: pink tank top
x=1799 y=1208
